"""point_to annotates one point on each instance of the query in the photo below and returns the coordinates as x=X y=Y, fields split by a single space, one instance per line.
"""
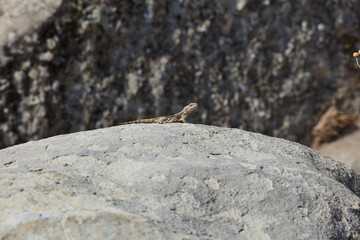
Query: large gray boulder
x=174 y=181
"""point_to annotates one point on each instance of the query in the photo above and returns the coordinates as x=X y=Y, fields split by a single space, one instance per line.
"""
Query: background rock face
x=187 y=182
x=267 y=66
x=18 y=17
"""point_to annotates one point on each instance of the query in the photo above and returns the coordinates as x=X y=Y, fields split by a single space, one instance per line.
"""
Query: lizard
x=176 y=118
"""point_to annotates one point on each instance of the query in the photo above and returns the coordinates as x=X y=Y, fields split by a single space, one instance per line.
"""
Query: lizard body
x=176 y=118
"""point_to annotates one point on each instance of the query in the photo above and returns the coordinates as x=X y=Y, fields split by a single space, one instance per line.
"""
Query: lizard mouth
x=189 y=108
x=193 y=105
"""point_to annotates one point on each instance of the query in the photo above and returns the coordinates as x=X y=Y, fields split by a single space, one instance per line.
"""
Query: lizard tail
x=138 y=121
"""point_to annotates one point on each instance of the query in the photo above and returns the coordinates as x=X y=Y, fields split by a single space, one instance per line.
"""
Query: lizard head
x=189 y=108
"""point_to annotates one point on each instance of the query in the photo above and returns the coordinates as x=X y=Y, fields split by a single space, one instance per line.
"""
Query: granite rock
x=272 y=67
x=174 y=181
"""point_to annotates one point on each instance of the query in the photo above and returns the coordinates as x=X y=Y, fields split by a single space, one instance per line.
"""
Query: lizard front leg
x=160 y=120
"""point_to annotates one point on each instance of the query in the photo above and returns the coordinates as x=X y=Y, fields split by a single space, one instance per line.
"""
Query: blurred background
x=281 y=68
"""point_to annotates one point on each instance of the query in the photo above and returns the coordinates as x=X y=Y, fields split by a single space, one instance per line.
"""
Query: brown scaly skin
x=176 y=118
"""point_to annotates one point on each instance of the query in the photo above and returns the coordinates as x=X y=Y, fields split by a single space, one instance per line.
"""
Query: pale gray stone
x=174 y=181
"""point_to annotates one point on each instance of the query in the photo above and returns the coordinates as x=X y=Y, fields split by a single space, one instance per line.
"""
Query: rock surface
x=345 y=149
x=93 y=64
x=175 y=181
x=18 y=17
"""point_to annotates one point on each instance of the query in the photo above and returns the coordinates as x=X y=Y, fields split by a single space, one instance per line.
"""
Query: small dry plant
x=356 y=55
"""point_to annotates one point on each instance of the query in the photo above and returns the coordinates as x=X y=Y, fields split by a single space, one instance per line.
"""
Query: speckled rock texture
x=266 y=66
x=175 y=181
x=19 y=17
